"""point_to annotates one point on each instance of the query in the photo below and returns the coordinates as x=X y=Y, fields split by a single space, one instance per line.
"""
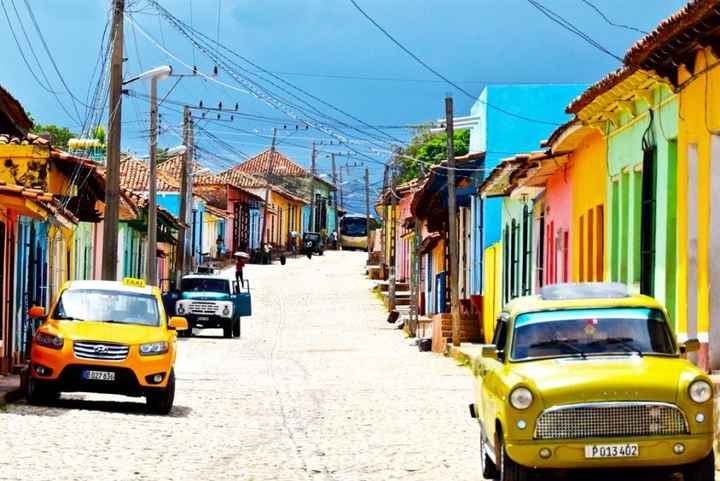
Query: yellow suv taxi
x=107 y=337
x=588 y=376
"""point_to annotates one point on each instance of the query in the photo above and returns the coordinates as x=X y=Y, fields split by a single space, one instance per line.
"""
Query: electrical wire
x=610 y=22
x=443 y=77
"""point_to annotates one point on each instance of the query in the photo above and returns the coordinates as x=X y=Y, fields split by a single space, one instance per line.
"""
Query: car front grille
x=100 y=350
x=200 y=307
x=608 y=420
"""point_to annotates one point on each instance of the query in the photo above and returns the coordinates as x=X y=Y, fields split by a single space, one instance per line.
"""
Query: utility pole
x=267 y=190
x=415 y=312
x=342 y=197
x=151 y=256
x=367 y=210
x=452 y=224
x=182 y=258
x=334 y=179
x=385 y=229
x=313 y=204
x=392 y=301
x=112 y=182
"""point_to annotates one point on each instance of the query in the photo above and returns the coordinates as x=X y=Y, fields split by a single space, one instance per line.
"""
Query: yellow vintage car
x=587 y=376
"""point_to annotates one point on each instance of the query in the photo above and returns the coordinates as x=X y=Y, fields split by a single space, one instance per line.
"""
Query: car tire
x=321 y=253
x=227 y=332
x=703 y=470
x=508 y=469
x=161 y=402
x=489 y=470
x=236 y=328
x=38 y=395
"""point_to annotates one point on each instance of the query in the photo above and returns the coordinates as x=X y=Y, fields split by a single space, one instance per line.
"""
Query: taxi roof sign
x=131 y=281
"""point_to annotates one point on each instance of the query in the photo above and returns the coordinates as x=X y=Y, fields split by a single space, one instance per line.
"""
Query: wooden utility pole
x=335 y=199
x=392 y=287
x=151 y=256
x=342 y=197
x=367 y=209
x=415 y=312
x=268 y=175
x=181 y=256
x=313 y=204
x=452 y=224
x=385 y=230
x=112 y=181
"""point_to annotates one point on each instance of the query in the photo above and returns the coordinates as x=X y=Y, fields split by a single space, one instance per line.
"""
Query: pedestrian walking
x=219 y=246
x=239 y=265
x=293 y=242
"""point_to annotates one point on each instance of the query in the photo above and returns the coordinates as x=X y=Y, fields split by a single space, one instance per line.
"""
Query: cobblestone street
x=317 y=388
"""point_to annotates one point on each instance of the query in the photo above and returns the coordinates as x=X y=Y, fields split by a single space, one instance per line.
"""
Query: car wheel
x=703 y=470
x=321 y=253
x=509 y=469
x=236 y=328
x=161 y=402
x=227 y=332
x=37 y=394
x=489 y=470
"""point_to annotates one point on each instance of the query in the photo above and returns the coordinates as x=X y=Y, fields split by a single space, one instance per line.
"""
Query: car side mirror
x=489 y=352
x=36 y=311
x=691 y=345
x=178 y=323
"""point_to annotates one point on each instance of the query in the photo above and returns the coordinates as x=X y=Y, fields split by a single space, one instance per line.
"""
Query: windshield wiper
x=69 y=318
x=559 y=343
x=625 y=342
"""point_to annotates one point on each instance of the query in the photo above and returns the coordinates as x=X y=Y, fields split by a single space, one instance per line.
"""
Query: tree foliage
x=59 y=136
x=428 y=148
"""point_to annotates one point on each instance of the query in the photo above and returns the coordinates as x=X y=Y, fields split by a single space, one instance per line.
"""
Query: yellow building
x=676 y=52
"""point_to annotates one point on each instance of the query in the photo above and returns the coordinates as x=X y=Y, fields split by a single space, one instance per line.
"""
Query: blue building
x=507 y=120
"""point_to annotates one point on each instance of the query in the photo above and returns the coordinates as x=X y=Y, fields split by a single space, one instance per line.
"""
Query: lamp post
x=155 y=74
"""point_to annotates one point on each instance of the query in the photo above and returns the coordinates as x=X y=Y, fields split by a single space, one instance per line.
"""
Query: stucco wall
x=589 y=188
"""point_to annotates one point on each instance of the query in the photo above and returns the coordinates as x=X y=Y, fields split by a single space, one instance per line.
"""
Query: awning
x=429 y=242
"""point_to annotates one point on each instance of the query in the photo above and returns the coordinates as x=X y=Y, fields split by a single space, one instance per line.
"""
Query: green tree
x=59 y=136
x=100 y=134
x=428 y=148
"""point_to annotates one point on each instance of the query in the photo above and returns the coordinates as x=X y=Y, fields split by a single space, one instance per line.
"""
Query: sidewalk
x=9 y=389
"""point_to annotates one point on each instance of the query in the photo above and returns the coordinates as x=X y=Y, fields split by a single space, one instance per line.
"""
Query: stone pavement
x=318 y=388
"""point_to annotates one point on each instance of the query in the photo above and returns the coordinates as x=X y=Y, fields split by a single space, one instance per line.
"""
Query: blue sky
x=469 y=41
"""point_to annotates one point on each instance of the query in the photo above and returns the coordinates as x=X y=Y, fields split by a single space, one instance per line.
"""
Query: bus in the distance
x=353 y=232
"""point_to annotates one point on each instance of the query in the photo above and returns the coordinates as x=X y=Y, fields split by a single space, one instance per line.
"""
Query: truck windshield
x=587 y=332
x=353 y=227
x=107 y=306
x=199 y=284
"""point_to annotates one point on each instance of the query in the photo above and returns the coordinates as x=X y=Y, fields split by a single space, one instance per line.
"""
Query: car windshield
x=587 y=332
x=204 y=284
x=353 y=227
x=108 y=306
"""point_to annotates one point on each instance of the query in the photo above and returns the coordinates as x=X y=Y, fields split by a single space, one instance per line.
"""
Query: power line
x=438 y=74
x=610 y=22
x=567 y=25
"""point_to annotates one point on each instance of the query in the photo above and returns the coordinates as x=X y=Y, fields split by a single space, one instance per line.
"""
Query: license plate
x=99 y=375
x=612 y=451
x=201 y=319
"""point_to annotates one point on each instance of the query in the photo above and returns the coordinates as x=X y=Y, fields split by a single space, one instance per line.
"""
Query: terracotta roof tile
x=692 y=14
x=134 y=176
x=281 y=165
x=598 y=88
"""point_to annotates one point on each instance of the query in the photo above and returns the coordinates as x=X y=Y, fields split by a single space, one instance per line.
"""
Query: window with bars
x=581 y=249
x=527 y=251
x=647 y=229
x=541 y=251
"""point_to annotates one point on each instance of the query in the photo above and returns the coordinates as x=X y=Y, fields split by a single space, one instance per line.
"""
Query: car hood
x=607 y=378
x=107 y=332
x=205 y=296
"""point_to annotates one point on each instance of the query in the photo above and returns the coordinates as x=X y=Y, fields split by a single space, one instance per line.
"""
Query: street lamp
x=155 y=74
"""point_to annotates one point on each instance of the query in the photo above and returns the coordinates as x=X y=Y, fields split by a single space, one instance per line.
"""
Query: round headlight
x=700 y=391
x=521 y=398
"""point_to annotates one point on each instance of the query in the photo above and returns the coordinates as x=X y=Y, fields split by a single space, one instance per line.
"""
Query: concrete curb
x=11 y=390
